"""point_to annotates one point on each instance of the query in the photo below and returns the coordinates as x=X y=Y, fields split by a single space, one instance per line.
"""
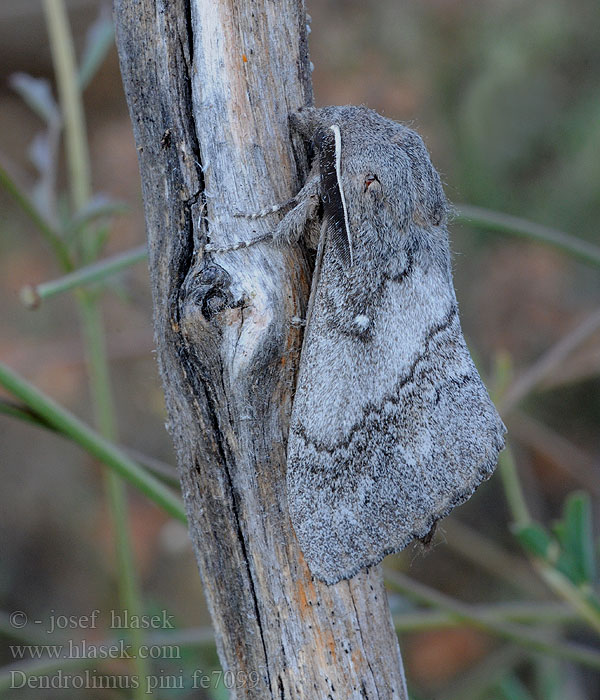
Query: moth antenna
x=338 y=171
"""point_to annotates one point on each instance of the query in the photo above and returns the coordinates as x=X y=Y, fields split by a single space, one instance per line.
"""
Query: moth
x=391 y=425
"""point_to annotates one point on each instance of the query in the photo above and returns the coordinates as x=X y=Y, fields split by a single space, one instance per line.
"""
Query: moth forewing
x=391 y=425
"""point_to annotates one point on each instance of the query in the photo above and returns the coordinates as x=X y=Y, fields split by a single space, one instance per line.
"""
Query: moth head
x=382 y=168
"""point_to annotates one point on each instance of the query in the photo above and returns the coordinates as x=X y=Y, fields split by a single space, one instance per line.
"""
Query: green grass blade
x=105 y=451
x=53 y=239
x=505 y=223
x=579 y=535
x=33 y=296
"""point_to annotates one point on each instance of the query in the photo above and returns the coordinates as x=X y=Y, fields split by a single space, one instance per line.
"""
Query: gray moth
x=391 y=425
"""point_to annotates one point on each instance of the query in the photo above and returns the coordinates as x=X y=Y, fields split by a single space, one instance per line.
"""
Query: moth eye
x=369 y=180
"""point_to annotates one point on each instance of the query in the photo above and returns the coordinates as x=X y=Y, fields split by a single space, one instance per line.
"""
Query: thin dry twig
x=548 y=362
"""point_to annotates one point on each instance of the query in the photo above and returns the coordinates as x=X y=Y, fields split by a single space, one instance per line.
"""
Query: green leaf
x=93 y=222
x=42 y=153
x=511 y=688
x=99 y=41
x=571 y=550
x=535 y=539
x=574 y=532
x=98 y=207
x=549 y=678
x=37 y=93
x=566 y=563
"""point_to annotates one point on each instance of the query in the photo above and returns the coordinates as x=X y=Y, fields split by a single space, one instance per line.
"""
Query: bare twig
x=545 y=365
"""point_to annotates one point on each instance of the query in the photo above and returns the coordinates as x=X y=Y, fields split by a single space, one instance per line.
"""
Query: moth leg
x=269 y=210
x=428 y=539
x=291 y=227
x=210 y=248
x=310 y=187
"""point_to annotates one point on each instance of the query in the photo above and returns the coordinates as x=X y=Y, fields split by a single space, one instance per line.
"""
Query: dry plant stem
x=548 y=362
x=63 y=55
x=528 y=612
x=473 y=685
x=513 y=490
x=505 y=223
x=524 y=636
x=556 y=448
x=213 y=138
x=99 y=377
x=491 y=557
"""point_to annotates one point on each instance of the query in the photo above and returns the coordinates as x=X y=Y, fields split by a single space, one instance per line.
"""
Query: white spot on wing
x=362 y=322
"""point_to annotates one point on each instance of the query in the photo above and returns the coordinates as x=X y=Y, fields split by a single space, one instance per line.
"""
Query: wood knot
x=207 y=291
